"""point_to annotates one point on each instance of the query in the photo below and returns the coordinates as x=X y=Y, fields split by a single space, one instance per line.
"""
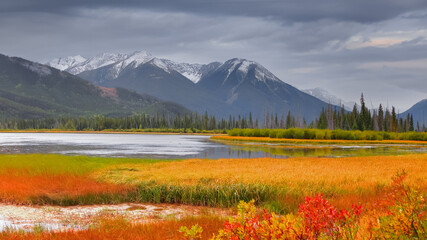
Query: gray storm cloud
x=346 y=47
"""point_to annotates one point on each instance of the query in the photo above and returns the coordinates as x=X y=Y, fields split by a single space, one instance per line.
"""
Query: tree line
x=375 y=120
x=360 y=118
x=192 y=122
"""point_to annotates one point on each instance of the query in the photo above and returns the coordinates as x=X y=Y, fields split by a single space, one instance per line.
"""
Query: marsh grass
x=325 y=134
x=218 y=195
x=277 y=184
x=43 y=179
x=37 y=164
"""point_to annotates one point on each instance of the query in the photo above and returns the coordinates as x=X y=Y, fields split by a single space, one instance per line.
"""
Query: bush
x=325 y=134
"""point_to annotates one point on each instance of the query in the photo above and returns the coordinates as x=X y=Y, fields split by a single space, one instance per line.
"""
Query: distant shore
x=110 y=132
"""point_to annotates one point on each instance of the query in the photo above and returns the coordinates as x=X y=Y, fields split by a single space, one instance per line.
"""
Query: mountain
x=250 y=87
x=237 y=86
x=161 y=78
x=119 y=62
x=327 y=97
x=418 y=111
x=33 y=90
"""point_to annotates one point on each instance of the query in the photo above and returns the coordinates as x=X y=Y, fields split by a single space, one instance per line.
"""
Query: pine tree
x=380 y=121
x=394 y=123
x=411 y=124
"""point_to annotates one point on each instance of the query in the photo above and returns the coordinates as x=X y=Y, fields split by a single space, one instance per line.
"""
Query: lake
x=178 y=146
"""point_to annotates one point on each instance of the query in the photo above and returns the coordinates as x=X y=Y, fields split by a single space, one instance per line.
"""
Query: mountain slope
x=250 y=87
x=419 y=112
x=157 y=79
x=237 y=86
x=32 y=90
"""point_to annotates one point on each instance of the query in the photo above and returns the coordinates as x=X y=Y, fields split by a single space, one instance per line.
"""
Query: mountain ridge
x=419 y=113
x=33 y=90
x=236 y=86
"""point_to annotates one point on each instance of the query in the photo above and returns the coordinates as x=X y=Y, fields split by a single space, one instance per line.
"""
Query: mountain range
x=33 y=90
x=124 y=84
x=237 y=86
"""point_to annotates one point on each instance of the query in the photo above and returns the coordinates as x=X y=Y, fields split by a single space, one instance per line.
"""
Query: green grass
x=36 y=164
x=205 y=194
x=325 y=134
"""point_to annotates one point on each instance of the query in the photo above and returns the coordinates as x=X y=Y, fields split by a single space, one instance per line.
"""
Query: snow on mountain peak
x=244 y=66
x=191 y=71
x=161 y=64
x=98 y=61
x=65 y=63
x=135 y=59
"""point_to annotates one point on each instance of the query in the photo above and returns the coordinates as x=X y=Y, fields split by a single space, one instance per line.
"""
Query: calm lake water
x=177 y=146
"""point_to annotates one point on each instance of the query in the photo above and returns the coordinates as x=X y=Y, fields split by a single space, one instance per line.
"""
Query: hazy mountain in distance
x=33 y=90
x=327 y=97
x=418 y=111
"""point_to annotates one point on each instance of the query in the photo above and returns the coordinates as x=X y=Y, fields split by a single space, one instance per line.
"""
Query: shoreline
x=109 y=132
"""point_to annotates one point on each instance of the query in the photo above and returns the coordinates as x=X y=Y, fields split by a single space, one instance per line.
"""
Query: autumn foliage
x=399 y=214
x=48 y=188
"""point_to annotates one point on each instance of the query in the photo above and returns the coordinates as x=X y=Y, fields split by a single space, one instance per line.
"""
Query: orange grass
x=343 y=180
x=349 y=172
x=120 y=229
x=19 y=189
x=319 y=141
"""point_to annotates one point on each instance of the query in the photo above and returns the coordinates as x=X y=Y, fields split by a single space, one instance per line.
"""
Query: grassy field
x=60 y=180
x=279 y=185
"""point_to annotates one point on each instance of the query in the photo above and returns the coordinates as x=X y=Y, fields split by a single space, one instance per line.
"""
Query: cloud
x=284 y=10
x=347 y=47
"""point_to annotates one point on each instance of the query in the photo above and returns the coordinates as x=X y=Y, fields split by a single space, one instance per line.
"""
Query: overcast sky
x=344 y=46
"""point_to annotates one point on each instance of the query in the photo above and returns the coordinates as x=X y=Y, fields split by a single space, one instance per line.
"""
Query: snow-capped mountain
x=237 y=86
x=327 y=97
x=243 y=67
x=194 y=72
x=66 y=63
x=98 y=61
x=250 y=87
x=119 y=62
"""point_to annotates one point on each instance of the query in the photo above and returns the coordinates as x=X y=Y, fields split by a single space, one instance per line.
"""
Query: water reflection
x=179 y=146
x=300 y=150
